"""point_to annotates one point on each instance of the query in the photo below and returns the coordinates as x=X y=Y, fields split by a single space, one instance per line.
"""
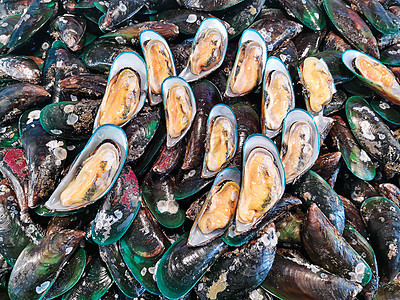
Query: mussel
x=159 y=61
x=247 y=71
x=180 y=108
x=221 y=142
x=93 y=172
x=300 y=144
x=373 y=73
x=218 y=209
x=126 y=90
x=278 y=96
x=263 y=181
x=208 y=50
x=318 y=83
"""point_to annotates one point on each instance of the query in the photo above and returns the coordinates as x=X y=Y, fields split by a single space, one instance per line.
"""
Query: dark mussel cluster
x=232 y=149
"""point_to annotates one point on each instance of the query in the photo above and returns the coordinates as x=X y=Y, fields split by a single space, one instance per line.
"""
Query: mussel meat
x=94 y=177
x=318 y=82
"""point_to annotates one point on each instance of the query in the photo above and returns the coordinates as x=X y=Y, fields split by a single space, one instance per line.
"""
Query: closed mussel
x=94 y=171
x=247 y=71
x=218 y=210
x=180 y=108
x=159 y=61
x=126 y=90
x=221 y=142
x=278 y=97
x=300 y=144
x=208 y=50
x=263 y=181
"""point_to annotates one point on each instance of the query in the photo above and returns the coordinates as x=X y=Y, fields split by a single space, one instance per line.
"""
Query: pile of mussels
x=231 y=149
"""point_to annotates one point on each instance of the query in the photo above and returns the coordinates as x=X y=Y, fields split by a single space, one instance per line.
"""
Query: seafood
x=219 y=191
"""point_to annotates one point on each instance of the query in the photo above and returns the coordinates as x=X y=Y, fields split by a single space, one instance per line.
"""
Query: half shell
x=278 y=96
x=221 y=142
x=218 y=209
x=318 y=83
x=247 y=71
x=300 y=144
x=179 y=114
x=159 y=61
x=127 y=82
x=374 y=74
x=112 y=138
x=212 y=37
x=263 y=181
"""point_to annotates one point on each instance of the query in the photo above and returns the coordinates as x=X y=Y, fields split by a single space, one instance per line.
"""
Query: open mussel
x=300 y=144
x=159 y=60
x=218 y=210
x=221 y=142
x=263 y=181
x=126 y=90
x=318 y=83
x=180 y=108
x=247 y=71
x=278 y=96
x=94 y=171
x=208 y=50
x=374 y=74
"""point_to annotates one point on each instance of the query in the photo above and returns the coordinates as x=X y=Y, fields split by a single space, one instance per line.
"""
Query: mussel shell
x=12 y=234
x=181 y=267
x=34 y=18
x=139 y=139
x=252 y=142
x=141 y=248
x=127 y=60
x=93 y=284
x=351 y=26
x=356 y=159
x=158 y=194
x=209 y=23
x=220 y=110
x=386 y=110
x=362 y=247
x=119 y=209
x=100 y=56
x=291 y=118
x=249 y=35
x=166 y=86
x=145 y=37
x=327 y=248
x=70 y=119
x=307 y=11
x=19 y=97
x=207 y=95
x=45 y=156
x=374 y=136
x=69 y=275
x=39 y=265
x=274 y=64
x=119 y=271
x=240 y=270
x=312 y=188
x=349 y=58
x=382 y=217
x=196 y=236
x=293 y=278
x=110 y=132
